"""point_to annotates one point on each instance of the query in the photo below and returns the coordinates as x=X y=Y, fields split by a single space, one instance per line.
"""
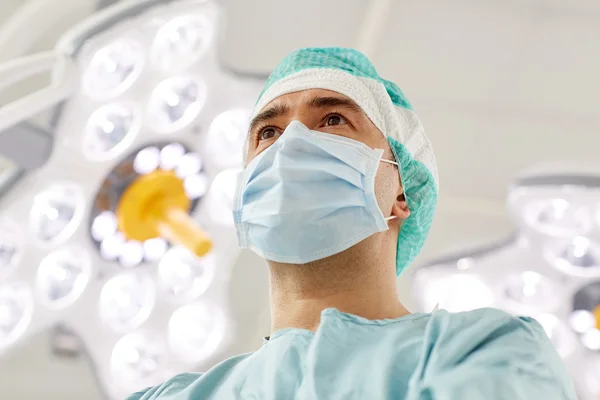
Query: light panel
x=549 y=271
x=151 y=115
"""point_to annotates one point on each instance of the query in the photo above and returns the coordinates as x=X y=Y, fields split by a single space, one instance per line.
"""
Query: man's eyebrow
x=330 y=102
x=275 y=111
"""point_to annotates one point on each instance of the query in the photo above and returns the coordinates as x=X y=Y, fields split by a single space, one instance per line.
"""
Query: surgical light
x=219 y=200
x=10 y=245
x=63 y=276
x=185 y=276
x=451 y=290
x=550 y=270
x=120 y=214
x=126 y=300
x=110 y=130
x=181 y=42
x=56 y=212
x=176 y=102
x=16 y=308
x=137 y=358
x=196 y=330
x=530 y=291
x=226 y=136
x=113 y=69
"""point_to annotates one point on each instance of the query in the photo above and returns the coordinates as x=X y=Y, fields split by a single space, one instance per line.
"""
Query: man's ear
x=400 y=208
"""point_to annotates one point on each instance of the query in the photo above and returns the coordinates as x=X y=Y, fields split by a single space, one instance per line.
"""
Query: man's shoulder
x=183 y=386
x=171 y=387
x=494 y=318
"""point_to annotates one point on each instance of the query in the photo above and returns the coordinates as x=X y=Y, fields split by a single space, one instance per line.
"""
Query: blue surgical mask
x=308 y=196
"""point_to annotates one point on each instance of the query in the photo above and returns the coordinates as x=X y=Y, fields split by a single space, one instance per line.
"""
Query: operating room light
x=126 y=300
x=530 y=291
x=226 y=136
x=136 y=360
x=114 y=69
x=196 y=330
x=104 y=225
x=582 y=321
x=147 y=117
x=63 y=276
x=181 y=42
x=10 y=245
x=110 y=129
x=549 y=270
x=147 y=160
x=579 y=256
x=558 y=217
x=185 y=276
x=54 y=213
x=454 y=292
x=16 y=306
x=220 y=197
x=170 y=155
x=176 y=102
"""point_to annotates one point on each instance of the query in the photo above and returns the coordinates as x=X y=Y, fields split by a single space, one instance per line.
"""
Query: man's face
x=328 y=112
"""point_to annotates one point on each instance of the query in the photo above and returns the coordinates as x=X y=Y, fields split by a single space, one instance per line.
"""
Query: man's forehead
x=305 y=96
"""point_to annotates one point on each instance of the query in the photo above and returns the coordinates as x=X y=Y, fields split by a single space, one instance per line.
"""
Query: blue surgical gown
x=482 y=354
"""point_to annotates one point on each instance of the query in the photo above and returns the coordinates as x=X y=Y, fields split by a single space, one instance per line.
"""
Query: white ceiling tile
x=454 y=49
x=559 y=71
x=258 y=34
x=480 y=154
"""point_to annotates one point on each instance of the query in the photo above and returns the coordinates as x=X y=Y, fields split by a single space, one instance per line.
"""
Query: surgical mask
x=308 y=196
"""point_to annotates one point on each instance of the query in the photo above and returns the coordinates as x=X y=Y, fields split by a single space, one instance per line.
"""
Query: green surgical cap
x=350 y=73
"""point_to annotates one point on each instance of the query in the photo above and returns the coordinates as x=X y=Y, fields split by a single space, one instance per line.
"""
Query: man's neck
x=300 y=292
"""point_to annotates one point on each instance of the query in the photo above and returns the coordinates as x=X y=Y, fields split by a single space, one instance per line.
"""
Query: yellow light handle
x=178 y=227
x=597 y=315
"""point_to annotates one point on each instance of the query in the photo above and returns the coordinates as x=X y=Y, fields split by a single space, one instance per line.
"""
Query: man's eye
x=267 y=133
x=335 y=119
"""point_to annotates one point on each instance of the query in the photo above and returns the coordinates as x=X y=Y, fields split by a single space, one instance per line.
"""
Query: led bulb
x=104 y=225
x=112 y=246
x=530 y=292
x=196 y=331
x=189 y=165
x=113 y=69
x=170 y=156
x=10 y=246
x=16 y=308
x=137 y=360
x=181 y=42
x=219 y=201
x=582 y=321
x=63 y=276
x=558 y=217
x=185 y=276
x=126 y=300
x=110 y=130
x=56 y=213
x=579 y=256
x=175 y=103
x=195 y=186
x=591 y=339
x=226 y=137
x=146 y=160
x=132 y=253
x=155 y=249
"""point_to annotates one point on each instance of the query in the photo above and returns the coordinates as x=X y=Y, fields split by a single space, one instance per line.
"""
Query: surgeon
x=338 y=195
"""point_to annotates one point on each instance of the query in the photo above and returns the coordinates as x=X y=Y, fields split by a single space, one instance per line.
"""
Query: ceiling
x=499 y=85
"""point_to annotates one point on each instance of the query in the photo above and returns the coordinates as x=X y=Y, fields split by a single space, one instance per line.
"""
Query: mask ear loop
x=396 y=164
